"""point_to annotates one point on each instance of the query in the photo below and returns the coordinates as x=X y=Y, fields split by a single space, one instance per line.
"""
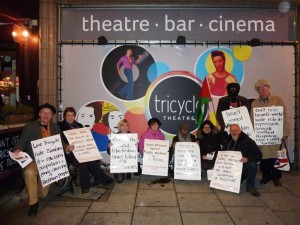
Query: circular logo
x=173 y=98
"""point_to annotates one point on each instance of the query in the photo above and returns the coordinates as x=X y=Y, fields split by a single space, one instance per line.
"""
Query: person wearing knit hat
x=232 y=100
x=41 y=128
x=269 y=152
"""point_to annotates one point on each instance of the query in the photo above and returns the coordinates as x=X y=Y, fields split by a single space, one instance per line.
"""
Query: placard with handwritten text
x=50 y=159
x=123 y=153
x=85 y=147
x=156 y=157
x=187 y=162
x=227 y=171
x=268 y=125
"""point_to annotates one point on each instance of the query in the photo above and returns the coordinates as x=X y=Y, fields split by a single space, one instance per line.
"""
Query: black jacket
x=211 y=142
x=245 y=145
x=224 y=104
x=64 y=125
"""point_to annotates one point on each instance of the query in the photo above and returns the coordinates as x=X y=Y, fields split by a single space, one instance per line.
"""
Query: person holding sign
x=153 y=132
x=41 y=128
x=85 y=168
x=123 y=127
x=265 y=99
x=184 y=135
x=210 y=139
x=239 y=141
x=232 y=100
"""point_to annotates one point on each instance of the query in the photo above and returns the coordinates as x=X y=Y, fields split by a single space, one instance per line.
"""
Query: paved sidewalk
x=138 y=201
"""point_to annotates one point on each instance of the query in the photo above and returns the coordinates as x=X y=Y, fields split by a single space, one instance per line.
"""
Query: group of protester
x=210 y=138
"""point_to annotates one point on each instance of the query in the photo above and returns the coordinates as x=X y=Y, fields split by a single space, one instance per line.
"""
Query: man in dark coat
x=239 y=141
x=232 y=100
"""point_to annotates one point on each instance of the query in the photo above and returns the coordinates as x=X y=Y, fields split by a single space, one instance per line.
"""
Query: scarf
x=184 y=139
x=45 y=130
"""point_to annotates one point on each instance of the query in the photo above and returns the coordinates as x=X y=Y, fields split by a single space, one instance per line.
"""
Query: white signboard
x=156 y=157
x=227 y=171
x=22 y=158
x=50 y=159
x=123 y=153
x=268 y=125
x=241 y=117
x=85 y=147
x=187 y=161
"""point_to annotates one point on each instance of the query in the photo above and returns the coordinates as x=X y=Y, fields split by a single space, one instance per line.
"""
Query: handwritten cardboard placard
x=156 y=157
x=268 y=125
x=187 y=161
x=227 y=171
x=50 y=159
x=123 y=153
x=85 y=146
x=241 y=117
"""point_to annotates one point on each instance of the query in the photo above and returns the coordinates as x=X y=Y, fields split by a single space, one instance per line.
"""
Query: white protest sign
x=241 y=117
x=85 y=146
x=187 y=161
x=227 y=171
x=268 y=125
x=156 y=157
x=22 y=158
x=50 y=159
x=123 y=153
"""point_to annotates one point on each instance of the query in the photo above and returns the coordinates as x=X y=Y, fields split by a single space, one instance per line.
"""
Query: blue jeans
x=127 y=89
x=249 y=172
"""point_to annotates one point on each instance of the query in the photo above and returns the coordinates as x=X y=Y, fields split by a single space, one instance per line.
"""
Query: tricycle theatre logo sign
x=225 y=24
x=173 y=98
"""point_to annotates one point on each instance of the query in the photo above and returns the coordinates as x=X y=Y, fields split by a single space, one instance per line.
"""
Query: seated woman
x=123 y=127
x=85 y=168
x=210 y=139
x=153 y=132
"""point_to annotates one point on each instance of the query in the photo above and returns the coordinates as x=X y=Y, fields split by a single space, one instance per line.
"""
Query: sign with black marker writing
x=123 y=153
x=227 y=171
x=187 y=162
x=268 y=125
x=241 y=117
x=50 y=159
x=85 y=147
x=156 y=157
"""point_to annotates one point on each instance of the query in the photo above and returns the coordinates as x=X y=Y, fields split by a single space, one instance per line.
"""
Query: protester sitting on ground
x=239 y=141
x=183 y=135
x=210 y=139
x=41 y=128
x=153 y=132
x=123 y=127
x=85 y=168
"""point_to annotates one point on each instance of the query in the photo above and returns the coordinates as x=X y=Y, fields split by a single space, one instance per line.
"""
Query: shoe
x=33 y=209
x=277 y=183
x=109 y=181
x=85 y=190
x=128 y=176
x=264 y=181
x=253 y=191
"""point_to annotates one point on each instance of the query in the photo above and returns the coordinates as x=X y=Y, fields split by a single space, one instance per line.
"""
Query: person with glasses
x=269 y=152
x=210 y=139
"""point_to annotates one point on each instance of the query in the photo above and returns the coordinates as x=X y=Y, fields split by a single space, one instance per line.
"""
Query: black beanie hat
x=48 y=106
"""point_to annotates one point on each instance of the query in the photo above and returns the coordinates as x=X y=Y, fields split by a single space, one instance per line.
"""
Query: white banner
x=156 y=157
x=50 y=159
x=227 y=171
x=187 y=161
x=241 y=117
x=123 y=153
x=268 y=125
x=85 y=147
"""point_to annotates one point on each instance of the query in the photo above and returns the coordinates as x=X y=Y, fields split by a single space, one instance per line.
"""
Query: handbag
x=282 y=163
